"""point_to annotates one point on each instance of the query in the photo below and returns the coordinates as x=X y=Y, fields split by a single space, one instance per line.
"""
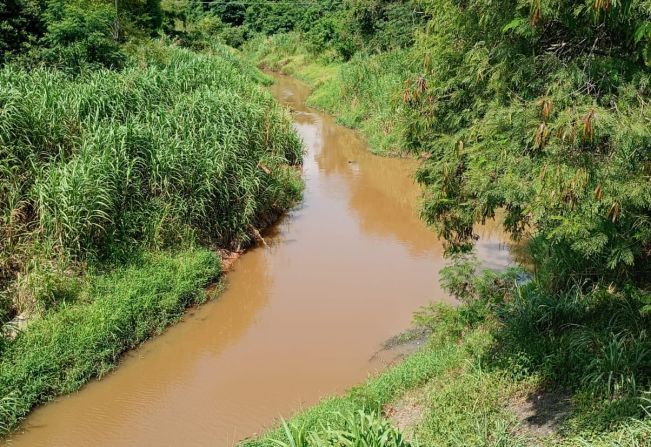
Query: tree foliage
x=540 y=110
x=74 y=34
x=533 y=110
x=20 y=26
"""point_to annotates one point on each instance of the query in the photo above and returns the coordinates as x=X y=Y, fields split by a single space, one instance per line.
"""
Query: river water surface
x=301 y=318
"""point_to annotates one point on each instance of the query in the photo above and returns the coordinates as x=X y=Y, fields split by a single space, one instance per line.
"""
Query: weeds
x=361 y=93
x=579 y=339
x=358 y=429
x=158 y=155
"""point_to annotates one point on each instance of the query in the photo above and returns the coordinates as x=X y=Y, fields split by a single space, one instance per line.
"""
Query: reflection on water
x=299 y=319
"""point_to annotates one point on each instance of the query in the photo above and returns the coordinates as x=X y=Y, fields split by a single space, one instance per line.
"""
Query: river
x=300 y=318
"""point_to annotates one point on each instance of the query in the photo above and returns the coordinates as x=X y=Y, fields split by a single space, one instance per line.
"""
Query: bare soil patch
x=541 y=414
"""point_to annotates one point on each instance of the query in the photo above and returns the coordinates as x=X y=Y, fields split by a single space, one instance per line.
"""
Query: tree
x=541 y=113
x=20 y=26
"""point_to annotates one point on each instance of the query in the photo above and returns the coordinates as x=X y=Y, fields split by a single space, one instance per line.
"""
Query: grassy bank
x=105 y=315
x=108 y=179
x=178 y=147
x=504 y=369
x=363 y=93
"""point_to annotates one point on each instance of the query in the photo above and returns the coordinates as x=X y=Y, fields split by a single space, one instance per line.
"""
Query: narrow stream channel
x=300 y=319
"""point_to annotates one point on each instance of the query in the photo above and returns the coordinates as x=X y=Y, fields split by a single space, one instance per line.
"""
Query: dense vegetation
x=534 y=110
x=178 y=147
x=123 y=162
x=538 y=110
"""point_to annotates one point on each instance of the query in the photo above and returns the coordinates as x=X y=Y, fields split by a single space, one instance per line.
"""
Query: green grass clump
x=364 y=93
x=177 y=147
x=113 y=312
x=360 y=429
x=415 y=371
x=596 y=341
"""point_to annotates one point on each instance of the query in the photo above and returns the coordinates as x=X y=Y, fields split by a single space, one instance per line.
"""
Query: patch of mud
x=407 y=412
x=415 y=336
x=400 y=346
x=541 y=414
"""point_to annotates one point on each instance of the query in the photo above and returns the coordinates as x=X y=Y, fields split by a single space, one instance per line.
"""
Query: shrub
x=596 y=341
x=79 y=35
x=552 y=137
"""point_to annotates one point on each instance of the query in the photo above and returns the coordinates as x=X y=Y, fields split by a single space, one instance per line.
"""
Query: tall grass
x=178 y=146
x=597 y=342
x=365 y=94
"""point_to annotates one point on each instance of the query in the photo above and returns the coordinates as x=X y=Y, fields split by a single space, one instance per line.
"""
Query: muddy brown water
x=302 y=318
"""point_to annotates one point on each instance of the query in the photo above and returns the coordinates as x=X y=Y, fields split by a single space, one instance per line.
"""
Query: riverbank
x=328 y=273
x=121 y=188
x=564 y=363
x=111 y=313
x=482 y=379
x=360 y=93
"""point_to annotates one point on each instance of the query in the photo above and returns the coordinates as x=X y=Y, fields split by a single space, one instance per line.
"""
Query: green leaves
x=163 y=153
x=358 y=429
x=542 y=137
x=514 y=24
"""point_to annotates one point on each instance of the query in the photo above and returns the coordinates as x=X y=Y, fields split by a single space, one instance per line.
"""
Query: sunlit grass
x=178 y=147
x=110 y=313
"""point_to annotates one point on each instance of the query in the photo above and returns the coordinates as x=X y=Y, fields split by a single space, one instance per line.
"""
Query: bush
x=79 y=35
x=595 y=341
x=20 y=27
x=552 y=137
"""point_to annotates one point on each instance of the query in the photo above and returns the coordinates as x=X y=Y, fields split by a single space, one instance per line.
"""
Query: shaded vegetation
x=74 y=34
